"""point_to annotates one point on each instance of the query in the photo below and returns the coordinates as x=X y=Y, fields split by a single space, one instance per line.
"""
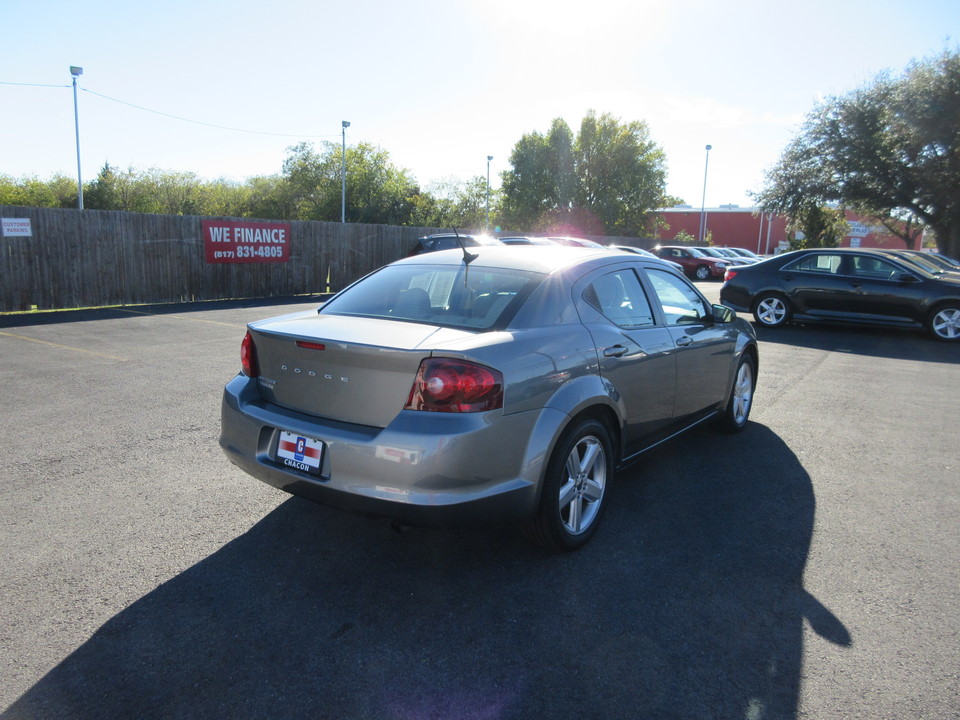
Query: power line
x=33 y=85
x=175 y=117
x=199 y=122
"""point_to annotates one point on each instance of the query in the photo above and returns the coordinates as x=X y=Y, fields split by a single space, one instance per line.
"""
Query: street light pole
x=489 y=158
x=343 y=173
x=77 y=72
x=703 y=202
x=760 y=233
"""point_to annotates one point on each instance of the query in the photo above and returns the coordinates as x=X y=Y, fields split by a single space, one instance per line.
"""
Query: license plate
x=300 y=452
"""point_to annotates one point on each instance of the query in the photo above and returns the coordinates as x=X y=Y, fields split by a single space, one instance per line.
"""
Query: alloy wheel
x=742 y=393
x=771 y=311
x=946 y=323
x=581 y=493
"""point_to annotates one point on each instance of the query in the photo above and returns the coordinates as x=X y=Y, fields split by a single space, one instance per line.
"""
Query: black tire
x=702 y=272
x=572 y=500
x=772 y=309
x=737 y=412
x=944 y=323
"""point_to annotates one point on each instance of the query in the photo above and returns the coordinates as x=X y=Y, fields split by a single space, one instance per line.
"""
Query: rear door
x=818 y=284
x=636 y=353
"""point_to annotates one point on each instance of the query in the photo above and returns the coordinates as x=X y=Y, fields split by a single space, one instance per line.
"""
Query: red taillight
x=445 y=385
x=729 y=275
x=248 y=357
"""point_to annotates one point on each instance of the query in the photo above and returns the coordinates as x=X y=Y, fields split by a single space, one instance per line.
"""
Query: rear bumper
x=735 y=299
x=423 y=469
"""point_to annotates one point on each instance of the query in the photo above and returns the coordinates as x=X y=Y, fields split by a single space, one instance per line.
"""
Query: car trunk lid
x=324 y=365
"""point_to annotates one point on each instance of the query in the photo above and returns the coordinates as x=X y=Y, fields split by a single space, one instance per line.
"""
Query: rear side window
x=826 y=264
x=446 y=295
x=619 y=297
x=445 y=243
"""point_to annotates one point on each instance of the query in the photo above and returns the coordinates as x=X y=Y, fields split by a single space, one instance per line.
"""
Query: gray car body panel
x=437 y=468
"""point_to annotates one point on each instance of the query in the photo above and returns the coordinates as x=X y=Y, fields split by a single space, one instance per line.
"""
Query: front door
x=703 y=348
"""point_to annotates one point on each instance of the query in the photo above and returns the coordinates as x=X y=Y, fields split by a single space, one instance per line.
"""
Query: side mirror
x=906 y=278
x=723 y=314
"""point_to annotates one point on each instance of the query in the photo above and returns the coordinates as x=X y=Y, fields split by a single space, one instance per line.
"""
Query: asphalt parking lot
x=806 y=568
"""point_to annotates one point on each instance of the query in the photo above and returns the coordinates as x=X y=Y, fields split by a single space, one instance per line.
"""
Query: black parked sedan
x=847 y=285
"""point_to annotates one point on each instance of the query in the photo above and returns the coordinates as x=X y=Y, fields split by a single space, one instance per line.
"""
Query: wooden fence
x=91 y=258
x=98 y=257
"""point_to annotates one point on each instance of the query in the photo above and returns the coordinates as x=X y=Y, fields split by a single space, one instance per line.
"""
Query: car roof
x=845 y=250
x=535 y=258
x=481 y=239
x=884 y=253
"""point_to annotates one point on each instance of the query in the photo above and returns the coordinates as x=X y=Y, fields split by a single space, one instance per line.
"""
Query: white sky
x=439 y=84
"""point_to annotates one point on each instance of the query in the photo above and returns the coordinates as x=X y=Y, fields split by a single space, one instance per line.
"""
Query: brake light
x=248 y=357
x=458 y=386
x=729 y=275
x=311 y=345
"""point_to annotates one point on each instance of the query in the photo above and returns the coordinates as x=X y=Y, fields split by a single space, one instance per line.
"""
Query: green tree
x=611 y=175
x=101 y=193
x=889 y=150
x=429 y=210
x=58 y=192
x=621 y=172
x=817 y=226
x=159 y=191
x=542 y=180
x=377 y=191
x=452 y=203
x=269 y=197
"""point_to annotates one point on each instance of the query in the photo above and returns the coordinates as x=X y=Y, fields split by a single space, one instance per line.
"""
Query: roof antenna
x=467 y=257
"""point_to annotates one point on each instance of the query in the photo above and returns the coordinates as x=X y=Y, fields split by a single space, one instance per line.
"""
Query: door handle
x=684 y=341
x=615 y=351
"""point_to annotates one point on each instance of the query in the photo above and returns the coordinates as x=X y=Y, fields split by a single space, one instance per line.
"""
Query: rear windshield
x=446 y=295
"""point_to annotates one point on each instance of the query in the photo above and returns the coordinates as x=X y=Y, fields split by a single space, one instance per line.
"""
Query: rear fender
x=587 y=393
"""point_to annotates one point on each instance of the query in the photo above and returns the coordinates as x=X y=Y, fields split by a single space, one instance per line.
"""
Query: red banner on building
x=230 y=241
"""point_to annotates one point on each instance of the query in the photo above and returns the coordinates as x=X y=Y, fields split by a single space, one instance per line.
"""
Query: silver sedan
x=491 y=383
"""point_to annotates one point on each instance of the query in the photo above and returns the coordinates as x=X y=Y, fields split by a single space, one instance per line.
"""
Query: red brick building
x=728 y=226
x=762 y=233
x=863 y=234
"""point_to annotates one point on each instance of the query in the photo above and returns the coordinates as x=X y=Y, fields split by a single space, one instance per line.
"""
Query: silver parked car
x=486 y=383
x=647 y=254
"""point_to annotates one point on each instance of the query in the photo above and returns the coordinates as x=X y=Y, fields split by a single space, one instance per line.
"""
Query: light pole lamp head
x=345 y=124
x=489 y=158
x=76 y=71
x=709 y=148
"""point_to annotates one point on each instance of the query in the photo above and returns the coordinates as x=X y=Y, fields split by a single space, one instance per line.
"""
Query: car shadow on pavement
x=893 y=343
x=688 y=603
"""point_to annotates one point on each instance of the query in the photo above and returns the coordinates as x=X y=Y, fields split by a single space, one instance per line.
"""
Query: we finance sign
x=229 y=241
